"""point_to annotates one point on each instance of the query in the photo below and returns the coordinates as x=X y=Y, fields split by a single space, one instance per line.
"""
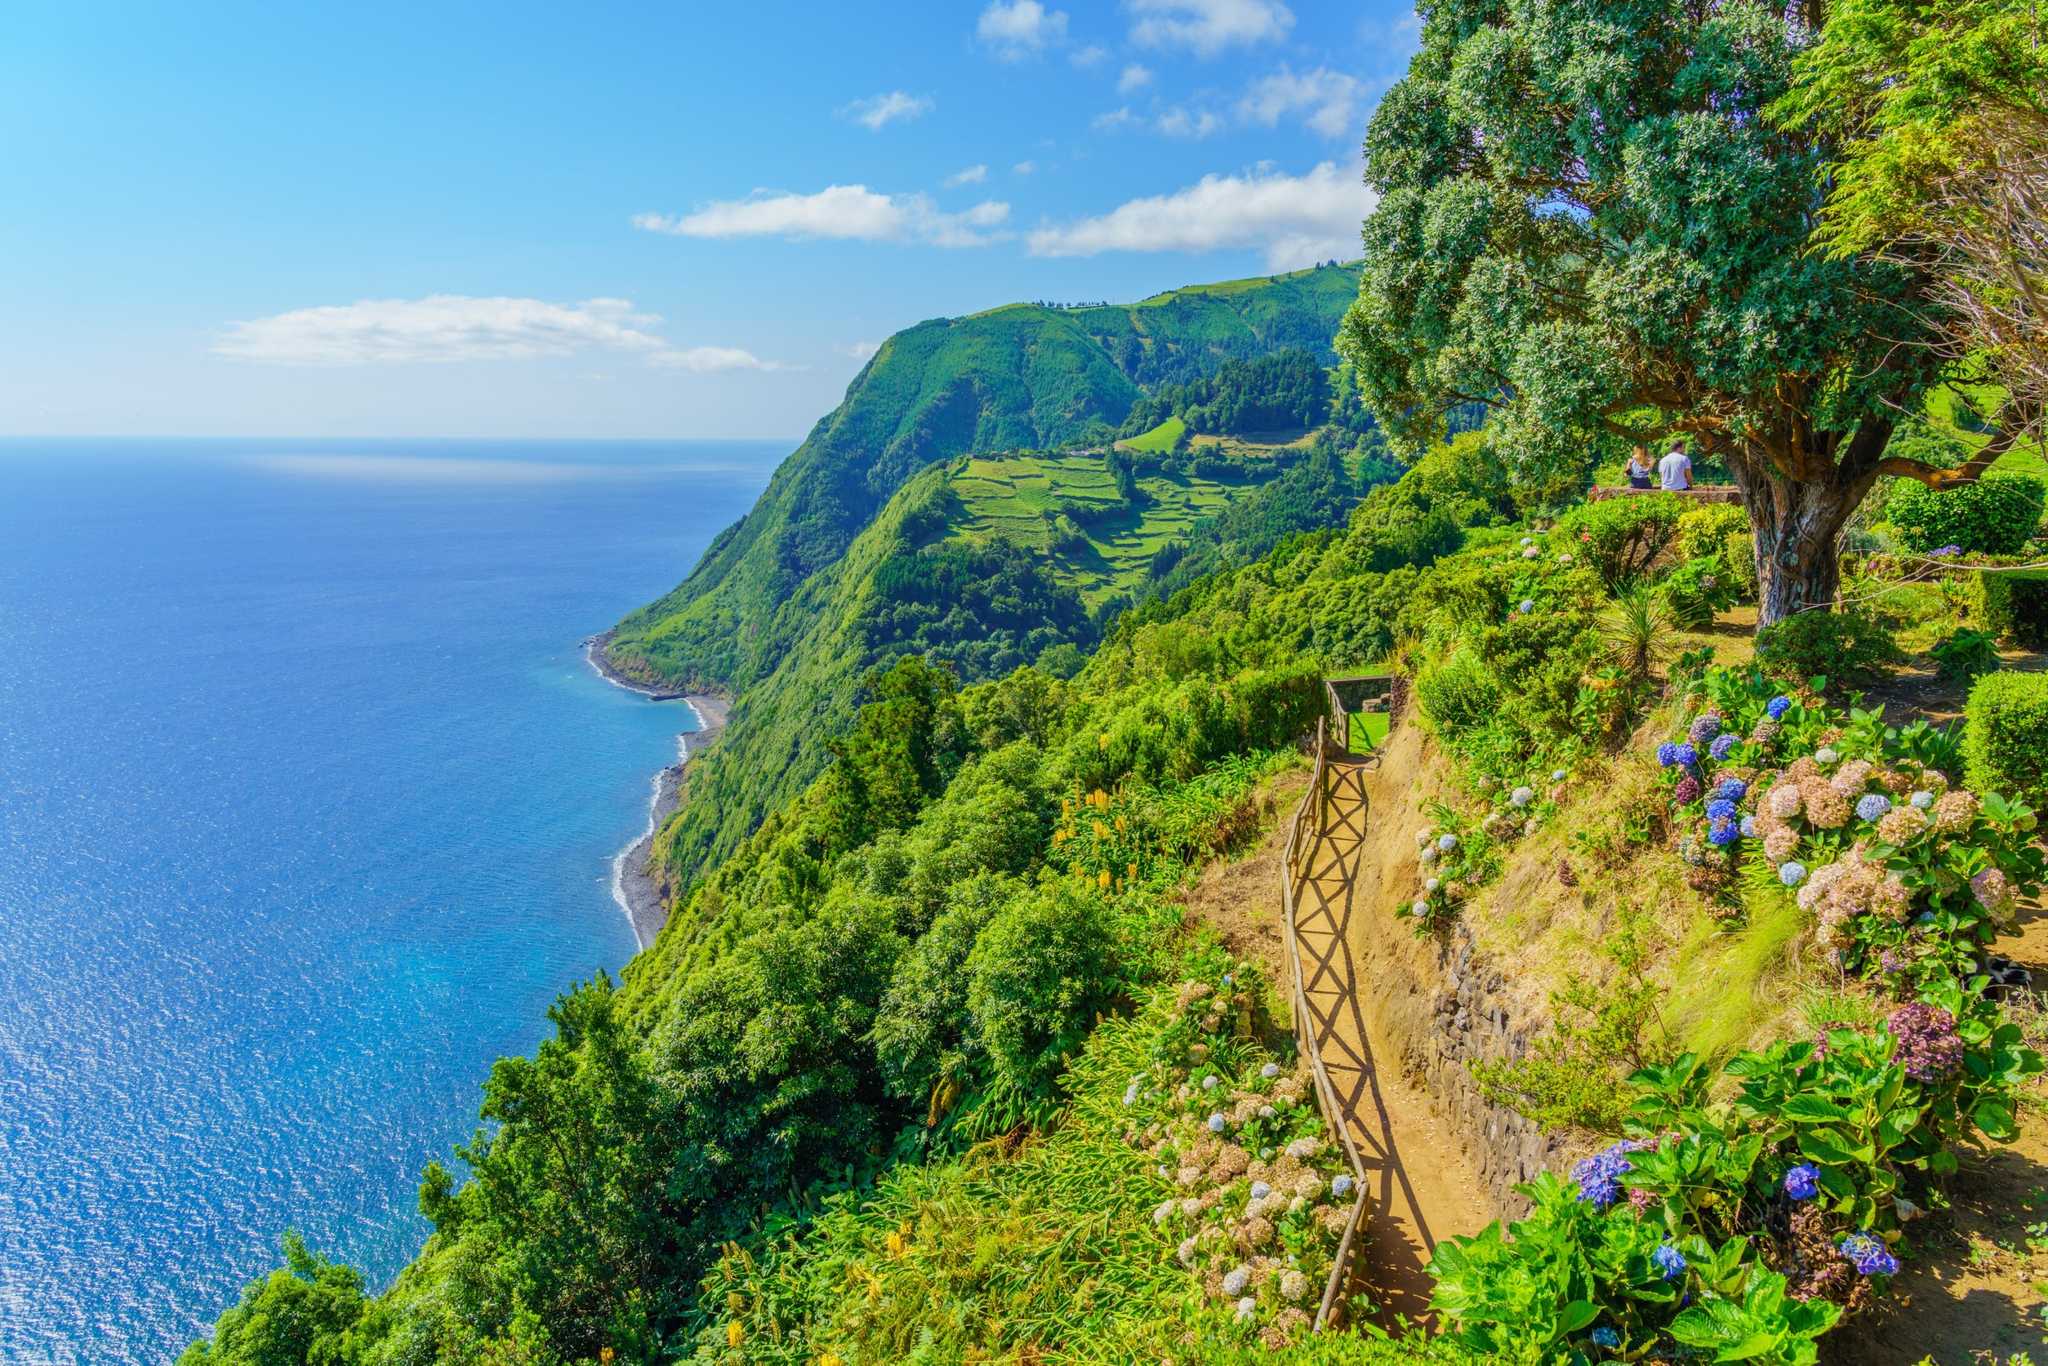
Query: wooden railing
x=1293 y=866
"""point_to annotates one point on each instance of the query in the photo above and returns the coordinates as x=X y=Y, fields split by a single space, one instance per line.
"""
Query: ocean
x=308 y=805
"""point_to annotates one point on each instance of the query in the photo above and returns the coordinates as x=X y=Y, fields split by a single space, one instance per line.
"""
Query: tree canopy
x=1588 y=224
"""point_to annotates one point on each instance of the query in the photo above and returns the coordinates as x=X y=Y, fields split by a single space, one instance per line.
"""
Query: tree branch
x=1935 y=477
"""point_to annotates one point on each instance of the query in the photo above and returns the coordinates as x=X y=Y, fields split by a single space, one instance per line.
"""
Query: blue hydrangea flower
x=1667 y=754
x=1777 y=706
x=1270 y=1070
x=1792 y=872
x=1687 y=756
x=1447 y=843
x=1599 y=1176
x=1731 y=789
x=1803 y=1181
x=1526 y=606
x=1340 y=1185
x=1669 y=1260
x=1521 y=796
x=1557 y=775
x=1720 y=809
x=1872 y=805
x=1606 y=1337
x=1722 y=744
x=1216 y=1122
x=1869 y=1254
x=1922 y=799
x=1748 y=827
x=1721 y=834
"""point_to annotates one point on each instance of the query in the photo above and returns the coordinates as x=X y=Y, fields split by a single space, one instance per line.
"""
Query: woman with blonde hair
x=1640 y=470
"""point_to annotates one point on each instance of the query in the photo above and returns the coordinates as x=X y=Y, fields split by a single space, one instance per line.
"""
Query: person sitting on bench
x=1639 y=469
x=1674 y=471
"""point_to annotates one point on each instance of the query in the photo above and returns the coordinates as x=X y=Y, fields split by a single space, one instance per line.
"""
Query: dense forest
x=1287 y=390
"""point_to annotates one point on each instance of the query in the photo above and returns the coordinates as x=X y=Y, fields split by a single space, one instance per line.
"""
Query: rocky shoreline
x=641 y=894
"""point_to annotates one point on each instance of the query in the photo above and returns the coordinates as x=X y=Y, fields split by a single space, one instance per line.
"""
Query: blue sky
x=547 y=219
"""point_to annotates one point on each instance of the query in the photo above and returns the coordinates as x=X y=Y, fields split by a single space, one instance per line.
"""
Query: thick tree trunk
x=1798 y=528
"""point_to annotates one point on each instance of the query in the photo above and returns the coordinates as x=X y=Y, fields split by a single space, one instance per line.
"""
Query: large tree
x=1587 y=223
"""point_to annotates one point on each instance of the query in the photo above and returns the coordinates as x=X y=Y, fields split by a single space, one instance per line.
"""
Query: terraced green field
x=1011 y=496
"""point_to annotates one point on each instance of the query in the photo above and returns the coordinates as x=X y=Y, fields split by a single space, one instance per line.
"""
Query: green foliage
x=2005 y=736
x=1622 y=537
x=1603 y=258
x=1459 y=696
x=298 y=1315
x=1850 y=649
x=1169 y=435
x=1705 y=529
x=1039 y=976
x=1900 y=85
x=1965 y=653
x=1285 y=390
x=1698 y=589
x=1995 y=515
x=2012 y=606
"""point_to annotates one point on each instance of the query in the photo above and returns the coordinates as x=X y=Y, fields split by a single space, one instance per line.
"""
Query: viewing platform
x=1704 y=493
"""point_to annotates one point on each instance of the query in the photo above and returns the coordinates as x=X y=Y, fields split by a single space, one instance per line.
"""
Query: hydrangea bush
x=1750 y=1206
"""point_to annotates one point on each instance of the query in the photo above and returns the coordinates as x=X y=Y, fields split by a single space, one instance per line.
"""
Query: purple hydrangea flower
x=1943 y=552
x=1777 y=707
x=1667 y=754
x=1669 y=1260
x=1723 y=743
x=1803 y=1181
x=1869 y=1254
x=1872 y=805
x=1720 y=809
x=1928 y=1046
x=1599 y=1176
x=1704 y=728
x=1687 y=791
x=1721 y=834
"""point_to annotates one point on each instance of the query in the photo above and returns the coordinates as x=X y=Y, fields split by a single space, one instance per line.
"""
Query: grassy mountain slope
x=1021 y=376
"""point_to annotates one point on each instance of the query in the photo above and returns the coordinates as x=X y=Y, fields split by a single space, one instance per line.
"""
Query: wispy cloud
x=844 y=212
x=972 y=175
x=1178 y=122
x=1092 y=55
x=879 y=111
x=444 y=328
x=1021 y=28
x=1206 y=27
x=860 y=350
x=1328 y=101
x=1293 y=220
x=1117 y=118
x=1025 y=168
x=1134 y=77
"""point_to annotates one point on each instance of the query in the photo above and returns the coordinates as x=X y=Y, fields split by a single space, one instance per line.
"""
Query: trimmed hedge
x=1739 y=550
x=1993 y=516
x=1850 y=649
x=1621 y=538
x=2005 y=738
x=2012 y=606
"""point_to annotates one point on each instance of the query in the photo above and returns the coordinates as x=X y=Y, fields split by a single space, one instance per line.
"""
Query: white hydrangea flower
x=1270 y=1070
x=1420 y=910
x=1922 y=799
x=1247 y=1307
x=1211 y=1082
x=1521 y=796
x=1447 y=843
x=1826 y=754
x=1236 y=1280
x=1216 y=1123
x=1432 y=884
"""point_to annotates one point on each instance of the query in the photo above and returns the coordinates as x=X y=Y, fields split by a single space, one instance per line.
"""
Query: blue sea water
x=308 y=802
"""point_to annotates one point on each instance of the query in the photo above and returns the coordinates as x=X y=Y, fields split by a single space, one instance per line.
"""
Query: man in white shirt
x=1674 y=471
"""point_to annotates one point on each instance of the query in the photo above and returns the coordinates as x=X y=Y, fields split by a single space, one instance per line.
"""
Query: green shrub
x=1738 y=549
x=1622 y=537
x=1697 y=589
x=1964 y=653
x=1850 y=649
x=2012 y=606
x=2005 y=738
x=1993 y=516
x=1458 y=696
x=1705 y=529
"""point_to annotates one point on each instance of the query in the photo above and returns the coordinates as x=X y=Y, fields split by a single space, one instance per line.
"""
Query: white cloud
x=1117 y=118
x=1025 y=167
x=443 y=328
x=1327 y=100
x=846 y=212
x=972 y=175
x=860 y=350
x=1181 y=123
x=1134 y=76
x=1092 y=55
x=879 y=111
x=1208 y=26
x=1021 y=28
x=1294 y=220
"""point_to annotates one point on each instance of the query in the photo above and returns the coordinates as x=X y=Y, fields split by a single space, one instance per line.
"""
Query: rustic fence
x=1294 y=866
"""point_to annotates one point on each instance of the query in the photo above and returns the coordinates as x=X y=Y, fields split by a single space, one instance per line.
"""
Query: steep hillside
x=1023 y=376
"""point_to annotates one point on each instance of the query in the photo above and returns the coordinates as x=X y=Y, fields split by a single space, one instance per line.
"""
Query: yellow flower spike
x=1100 y=798
x=1104 y=880
x=734 y=1303
x=1122 y=825
x=830 y=1359
x=734 y=1334
x=1099 y=828
x=1102 y=740
x=1132 y=871
x=604 y=1355
x=894 y=1242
